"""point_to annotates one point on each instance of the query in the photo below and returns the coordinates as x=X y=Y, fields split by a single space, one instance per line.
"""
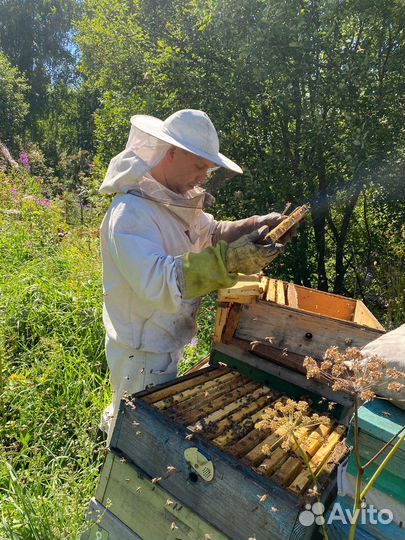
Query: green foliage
x=112 y=43
x=200 y=346
x=13 y=105
x=54 y=377
x=35 y=36
x=308 y=95
x=66 y=125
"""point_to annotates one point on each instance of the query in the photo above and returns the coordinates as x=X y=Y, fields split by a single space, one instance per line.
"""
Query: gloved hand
x=232 y=230
x=217 y=267
x=271 y=220
x=245 y=256
x=203 y=272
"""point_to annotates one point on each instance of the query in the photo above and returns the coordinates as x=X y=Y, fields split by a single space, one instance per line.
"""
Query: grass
x=54 y=375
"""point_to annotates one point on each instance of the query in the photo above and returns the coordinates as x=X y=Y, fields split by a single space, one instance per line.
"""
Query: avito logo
x=368 y=515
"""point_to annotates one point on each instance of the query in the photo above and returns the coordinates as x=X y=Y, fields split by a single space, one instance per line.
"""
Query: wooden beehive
x=283 y=322
x=196 y=438
x=193 y=441
x=128 y=506
x=379 y=423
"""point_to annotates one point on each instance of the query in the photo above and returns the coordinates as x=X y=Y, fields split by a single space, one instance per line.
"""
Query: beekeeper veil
x=141 y=154
x=148 y=142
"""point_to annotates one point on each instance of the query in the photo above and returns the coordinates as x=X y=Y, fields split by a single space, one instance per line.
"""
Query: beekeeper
x=161 y=251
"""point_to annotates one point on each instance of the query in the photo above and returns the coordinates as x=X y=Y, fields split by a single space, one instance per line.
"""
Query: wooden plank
x=327 y=304
x=234 y=486
x=316 y=438
x=299 y=332
x=264 y=283
x=252 y=438
x=292 y=297
x=246 y=286
x=240 y=429
x=247 y=443
x=181 y=395
x=289 y=466
x=148 y=509
x=269 y=465
x=380 y=420
x=369 y=446
x=238 y=299
x=270 y=443
x=193 y=415
x=205 y=362
x=219 y=414
x=321 y=455
x=106 y=526
x=317 y=461
x=257 y=407
x=104 y=477
x=271 y=290
x=183 y=384
x=388 y=483
x=364 y=317
x=298 y=379
x=282 y=357
x=205 y=398
x=337 y=456
x=220 y=320
x=232 y=323
x=288 y=470
x=280 y=293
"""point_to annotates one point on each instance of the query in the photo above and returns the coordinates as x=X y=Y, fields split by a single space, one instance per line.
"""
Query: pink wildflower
x=25 y=161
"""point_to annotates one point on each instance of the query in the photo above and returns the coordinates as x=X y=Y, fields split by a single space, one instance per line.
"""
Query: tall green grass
x=54 y=381
x=54 y=375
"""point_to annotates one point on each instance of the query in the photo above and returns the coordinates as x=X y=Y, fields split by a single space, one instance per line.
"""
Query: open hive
x=226 y=408
x=197 y=438
x=187 y=459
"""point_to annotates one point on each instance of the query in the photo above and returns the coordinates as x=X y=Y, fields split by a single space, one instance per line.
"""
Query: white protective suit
x=147 y=322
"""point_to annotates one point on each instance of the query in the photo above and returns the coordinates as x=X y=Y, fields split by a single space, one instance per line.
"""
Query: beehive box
x=128 y=506
x=264 y=328
x=196 y=439
x=291 y=319
x=379 y=423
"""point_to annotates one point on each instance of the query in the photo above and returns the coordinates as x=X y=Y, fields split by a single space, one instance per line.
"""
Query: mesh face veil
x=126 y=169
x=128 y=172
x=148 y=142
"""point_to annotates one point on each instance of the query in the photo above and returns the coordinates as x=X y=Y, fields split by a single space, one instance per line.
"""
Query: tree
x=36 y=37
x=308 y=96
x=13 y=104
